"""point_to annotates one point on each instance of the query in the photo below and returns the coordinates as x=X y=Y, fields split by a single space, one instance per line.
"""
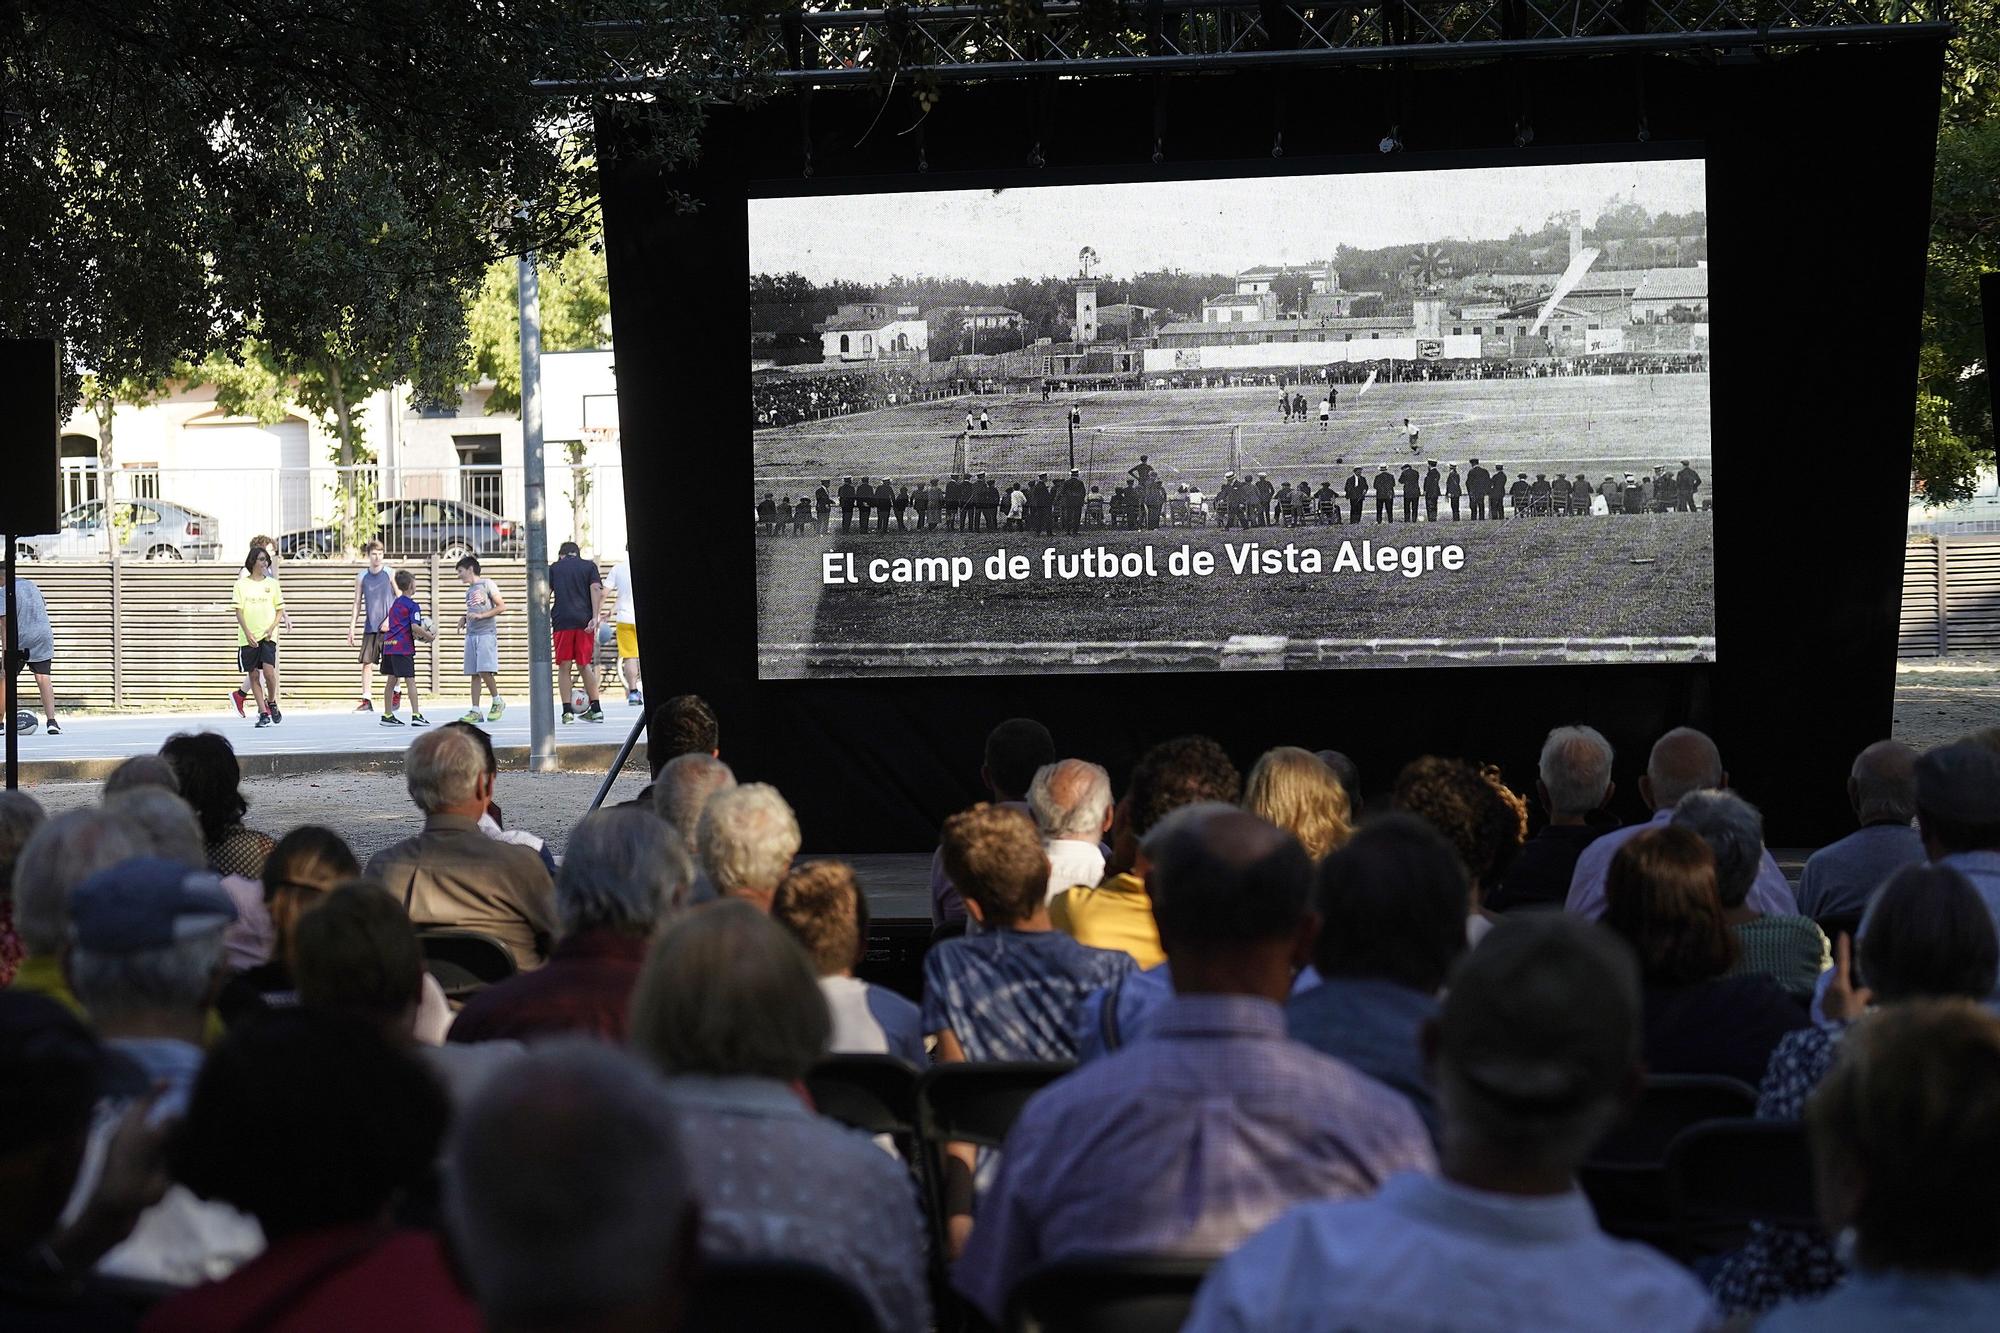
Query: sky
x=1200 y=226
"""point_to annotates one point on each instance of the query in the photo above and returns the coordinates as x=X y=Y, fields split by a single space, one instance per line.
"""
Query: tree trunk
x=106 y=408
x=343 y=422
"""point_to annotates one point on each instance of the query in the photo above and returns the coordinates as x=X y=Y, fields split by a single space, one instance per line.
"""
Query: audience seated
x=728 y=1008
x=1699 y=1019
x=1117 y=914
x=1789 y=949
x=356 y=955
x=64 y=851
x=1681 y=761
x=748 y=836
x=1295 y=790
x=1478 y=814
x=623 y=875
x=684 y=724
x=304 y=864
x=568 y=1197
x=823 y=906
x=1906 y=1144
x=351 y=1125
x=210 y=781
x=1573 y=783
x=1535 y=1055
x=451 y=874
x=1188 y=1140
x=1926 y=936
x=1391 y=924
x=1882 y=788
x=142 y=770
x=1016 y=750
x=1958 y=814
x=20 y=815
x=1006 y=993
x=167 y=827
x=1071 y=804
x=680 y=794
x=146 y=961
x=492 y=822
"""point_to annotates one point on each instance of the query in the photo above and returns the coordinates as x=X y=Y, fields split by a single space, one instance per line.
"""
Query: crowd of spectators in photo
x=1350 y=1063
x=1423 y=371
x=790 y=398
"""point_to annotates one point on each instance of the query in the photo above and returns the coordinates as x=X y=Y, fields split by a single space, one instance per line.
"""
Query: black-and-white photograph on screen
x=1414 y=418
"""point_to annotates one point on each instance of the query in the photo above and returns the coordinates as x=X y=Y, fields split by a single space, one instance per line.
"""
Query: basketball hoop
x=598 y=437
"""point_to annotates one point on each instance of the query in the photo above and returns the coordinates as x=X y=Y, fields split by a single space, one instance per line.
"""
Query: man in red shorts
x=579 y=605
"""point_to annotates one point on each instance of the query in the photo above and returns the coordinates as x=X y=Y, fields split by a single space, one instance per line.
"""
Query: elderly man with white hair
x=453 y=875
x=1071 y=803
x=747 y=838
x=59 y=855
x=1788 y=948
x=1882 y=789
x=1682 y=761
x=623 y=876
x=1573 y=783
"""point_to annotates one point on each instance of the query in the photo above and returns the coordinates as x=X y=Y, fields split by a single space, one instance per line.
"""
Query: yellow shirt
x=1117 y=914
x=260 y=601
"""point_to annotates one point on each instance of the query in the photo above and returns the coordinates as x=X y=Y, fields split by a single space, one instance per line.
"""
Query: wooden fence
x=1951 y=596
x=151 y=637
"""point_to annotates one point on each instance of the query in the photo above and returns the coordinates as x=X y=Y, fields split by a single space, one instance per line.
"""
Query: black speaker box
x=29 y=384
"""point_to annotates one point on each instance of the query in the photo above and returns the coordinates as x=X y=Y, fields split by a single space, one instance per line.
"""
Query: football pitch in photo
x=1531 y=590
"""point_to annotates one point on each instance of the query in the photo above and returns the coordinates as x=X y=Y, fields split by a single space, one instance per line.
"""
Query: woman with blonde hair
x=1295 y=790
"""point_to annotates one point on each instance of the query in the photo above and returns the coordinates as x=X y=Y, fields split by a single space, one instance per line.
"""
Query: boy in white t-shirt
x=627 y=616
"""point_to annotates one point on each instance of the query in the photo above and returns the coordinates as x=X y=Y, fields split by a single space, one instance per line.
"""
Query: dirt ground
x=1939 y=699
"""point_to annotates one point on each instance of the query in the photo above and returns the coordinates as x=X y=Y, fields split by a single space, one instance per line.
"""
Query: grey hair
x=177 y=978
x=623 y=870
x=748 y=836
x=142 y=770
x=164 y=822
x=1576 y=769
x=443 y=768
x=728 y=991
x=681 y=792
x=565 y=1189
x=61 y=854
x=1070 y=799
x=1734 y=830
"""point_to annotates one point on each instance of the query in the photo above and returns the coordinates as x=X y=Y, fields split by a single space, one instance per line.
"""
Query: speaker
x=1989 y=301
x=30 y=380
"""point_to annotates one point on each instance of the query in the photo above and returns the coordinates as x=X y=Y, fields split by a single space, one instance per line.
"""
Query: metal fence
x=156 y=636
x=212 y=513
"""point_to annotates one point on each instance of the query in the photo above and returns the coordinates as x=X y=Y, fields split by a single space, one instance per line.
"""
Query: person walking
x=578 y=596
x=483 y=607
x=626 y=616
x=374 y=593
x=400 y=629
x=259 y=606
x=241 y=695
x=35 y=648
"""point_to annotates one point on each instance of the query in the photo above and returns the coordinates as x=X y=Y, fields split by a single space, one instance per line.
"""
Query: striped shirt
x=1790 y=949
x=1009 y=994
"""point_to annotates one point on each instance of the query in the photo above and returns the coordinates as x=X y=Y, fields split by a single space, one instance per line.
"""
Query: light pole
x=541 y=672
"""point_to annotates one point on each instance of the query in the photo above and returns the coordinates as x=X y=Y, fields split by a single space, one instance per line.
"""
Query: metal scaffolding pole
x=541 y=670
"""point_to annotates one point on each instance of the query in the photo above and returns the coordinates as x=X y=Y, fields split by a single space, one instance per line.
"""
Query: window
x=1479 y=329
x=1456 y=330
x=1565 y=328
x=867 y=343
x=144 y=483
x=1374 y=335
x=479 y=474
x=843 y=342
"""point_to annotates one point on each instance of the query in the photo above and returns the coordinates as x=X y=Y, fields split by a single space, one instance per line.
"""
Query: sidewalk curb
x=573 y=758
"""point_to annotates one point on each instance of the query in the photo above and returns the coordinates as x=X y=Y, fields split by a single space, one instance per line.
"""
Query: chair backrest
x=464 y=961
x=1836 y=924
x=1110 y=1294
x=978 y=1103
x=1725 y=1174
x=736 y=1295
x=873 y=1093
x=1669 y=1104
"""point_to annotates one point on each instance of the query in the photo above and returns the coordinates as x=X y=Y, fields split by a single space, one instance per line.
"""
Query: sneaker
x=498 y=710
x=277 y=714
x=365 y=706
x=419 y=720
x=635 y=698
x=390 y=720
x=568 y=716
x=593 y=714
x=263 y=719
x=237 y=697
x=475 y=717
x=52 y=727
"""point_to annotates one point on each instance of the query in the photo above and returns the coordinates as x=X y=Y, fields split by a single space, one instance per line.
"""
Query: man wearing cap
x=1633 y=502
x=1958 y=813
x=146 y=960
x=1356 y=489
x=1433 y=487
x=1496 y=493
x=1260 y=505
x=1453 y=488
x=1535 y=1055
x=847 y=504
x=1521 y=493
x=1475 y=487
x=1041 y=499
x=1686 y=482
x=1385 y=496
x=1411 y=485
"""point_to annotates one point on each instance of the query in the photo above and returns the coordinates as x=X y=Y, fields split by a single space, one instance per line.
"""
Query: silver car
x=155 y=530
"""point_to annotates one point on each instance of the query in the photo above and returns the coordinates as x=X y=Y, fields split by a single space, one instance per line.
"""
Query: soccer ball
x=578 y=701
x=426 y=624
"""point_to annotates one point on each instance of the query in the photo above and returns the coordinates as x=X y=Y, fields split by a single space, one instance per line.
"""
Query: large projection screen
x=1284 y=422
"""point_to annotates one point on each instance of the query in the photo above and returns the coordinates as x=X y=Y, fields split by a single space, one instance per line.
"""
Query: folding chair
x=1626 y=1177
x=464 y=962
x=1723 y=1175
x=734 y=1295
x=876 y=1094
x=1109 y=1294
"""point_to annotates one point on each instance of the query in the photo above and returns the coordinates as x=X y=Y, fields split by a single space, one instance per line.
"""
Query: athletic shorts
x=253 y=655
x=628 y=639
x=371 y=647
x=482 y=653
x=575 y=645
x=39 y=668
x=401 y=666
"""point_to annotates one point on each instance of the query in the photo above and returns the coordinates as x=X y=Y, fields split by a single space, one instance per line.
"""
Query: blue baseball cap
x=145 y=903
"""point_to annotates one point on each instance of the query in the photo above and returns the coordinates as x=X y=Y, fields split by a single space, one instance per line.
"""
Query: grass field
x=1595 y=424
x=1530 y=590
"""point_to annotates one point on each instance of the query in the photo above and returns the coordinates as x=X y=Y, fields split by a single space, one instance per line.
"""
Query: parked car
x=448 y=529
x=155 y=530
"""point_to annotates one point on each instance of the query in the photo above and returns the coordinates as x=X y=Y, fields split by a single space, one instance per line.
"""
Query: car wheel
x=307 y=552
x=455 y=552
x=164 y=553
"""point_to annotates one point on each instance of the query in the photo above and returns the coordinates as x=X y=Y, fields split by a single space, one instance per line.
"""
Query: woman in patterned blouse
x=1926 y=935
x=210 y=779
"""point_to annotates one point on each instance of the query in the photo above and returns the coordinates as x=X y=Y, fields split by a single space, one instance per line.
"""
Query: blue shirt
x=1840 y=876
x=872 y=1020
x=397 y=638
x=1887 y=1302
x=1009 y=994
x=1140 y=995
x=1769 y=892
x=1184 y=1143
x=1374 y=1026
x=1431 y=1255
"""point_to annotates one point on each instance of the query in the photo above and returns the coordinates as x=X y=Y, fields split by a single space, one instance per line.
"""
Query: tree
x=1291 y=289
x=576 y=313
x=105 y=393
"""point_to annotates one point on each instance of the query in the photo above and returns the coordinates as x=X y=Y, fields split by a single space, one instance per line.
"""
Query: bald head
x=1071 y=799
x=1682 y=761
x=1882 y=786
x=1222 y=877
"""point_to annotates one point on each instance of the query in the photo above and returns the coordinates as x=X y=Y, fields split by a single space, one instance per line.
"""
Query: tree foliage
x=576 y=314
